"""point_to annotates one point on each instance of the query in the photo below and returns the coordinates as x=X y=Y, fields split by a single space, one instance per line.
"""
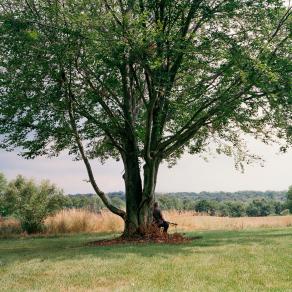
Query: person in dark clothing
x=158 y=218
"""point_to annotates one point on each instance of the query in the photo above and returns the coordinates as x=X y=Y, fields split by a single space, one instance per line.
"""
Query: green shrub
x=260 y=208
x=205 y=206
x=232 y=209
x=289 y=199
x=3 y=187
x=31 y=203
x=285 y=212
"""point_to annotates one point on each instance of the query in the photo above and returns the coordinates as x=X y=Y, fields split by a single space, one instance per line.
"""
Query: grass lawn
x=253 y=260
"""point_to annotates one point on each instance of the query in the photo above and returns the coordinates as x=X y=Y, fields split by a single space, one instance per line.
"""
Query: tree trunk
x=133 y=187
x=139 y=204
x=148 y=195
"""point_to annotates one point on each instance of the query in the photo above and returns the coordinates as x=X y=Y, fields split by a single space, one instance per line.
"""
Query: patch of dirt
x=175 y=238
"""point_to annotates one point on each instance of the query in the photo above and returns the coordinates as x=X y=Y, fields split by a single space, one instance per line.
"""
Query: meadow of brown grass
x=189 y=221
x=9 y=226
x=74 y=221
x=79 y=220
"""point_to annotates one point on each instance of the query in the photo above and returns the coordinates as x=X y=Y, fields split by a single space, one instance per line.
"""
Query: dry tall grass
x=73 y=221
x=188 y=221
x=9 y=226
x=78 y=220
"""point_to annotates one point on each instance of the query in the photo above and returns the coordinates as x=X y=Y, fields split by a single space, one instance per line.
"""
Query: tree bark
x=133 y=188
x=148 y=195
x=139 y=203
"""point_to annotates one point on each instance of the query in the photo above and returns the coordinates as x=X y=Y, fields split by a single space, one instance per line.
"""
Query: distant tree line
x=237 y=204
x=242 y=196
x=31 y=203
x=256 y=207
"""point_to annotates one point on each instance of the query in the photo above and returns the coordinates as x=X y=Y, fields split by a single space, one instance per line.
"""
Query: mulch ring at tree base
x=175 y=238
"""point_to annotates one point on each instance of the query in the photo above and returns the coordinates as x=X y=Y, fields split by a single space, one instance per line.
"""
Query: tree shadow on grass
x=76 y=247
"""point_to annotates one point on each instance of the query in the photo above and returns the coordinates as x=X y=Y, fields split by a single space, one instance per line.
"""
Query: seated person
x=158 y=218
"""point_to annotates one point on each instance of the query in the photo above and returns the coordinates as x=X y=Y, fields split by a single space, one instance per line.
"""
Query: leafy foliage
x=214 y=68
x=259 y=208
x=3 y=183
x=84 y=201
x=30 y=202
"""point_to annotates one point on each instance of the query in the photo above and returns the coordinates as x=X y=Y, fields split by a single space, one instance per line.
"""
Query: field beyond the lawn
x=76 y=221
x=246 y=260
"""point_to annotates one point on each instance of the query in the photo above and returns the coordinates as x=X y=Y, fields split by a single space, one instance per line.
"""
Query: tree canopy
x=143 y=81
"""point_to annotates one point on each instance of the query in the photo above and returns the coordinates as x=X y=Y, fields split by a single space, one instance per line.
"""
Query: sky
x=191 y=174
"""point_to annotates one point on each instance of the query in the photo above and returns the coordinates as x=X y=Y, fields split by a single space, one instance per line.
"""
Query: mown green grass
x=255 y=260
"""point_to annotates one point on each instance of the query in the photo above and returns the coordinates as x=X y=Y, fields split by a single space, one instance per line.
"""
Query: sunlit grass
x=250 y=260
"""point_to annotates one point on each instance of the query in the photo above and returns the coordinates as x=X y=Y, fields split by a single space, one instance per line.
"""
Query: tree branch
x=101 y=194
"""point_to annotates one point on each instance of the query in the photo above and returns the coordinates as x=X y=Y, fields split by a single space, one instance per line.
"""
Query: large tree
x=143 y=81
